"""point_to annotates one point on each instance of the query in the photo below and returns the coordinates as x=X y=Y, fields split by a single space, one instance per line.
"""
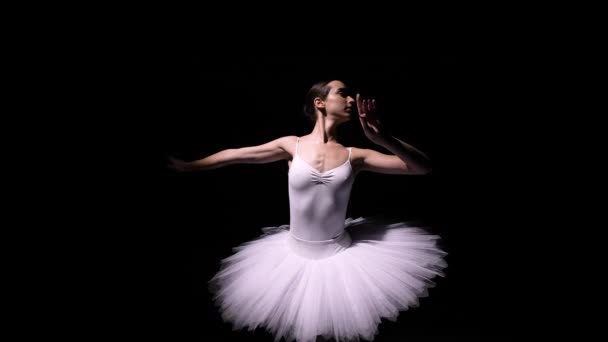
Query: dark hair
x=319 y=89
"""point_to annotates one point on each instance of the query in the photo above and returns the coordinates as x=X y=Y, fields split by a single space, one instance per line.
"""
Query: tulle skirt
x=339 y=288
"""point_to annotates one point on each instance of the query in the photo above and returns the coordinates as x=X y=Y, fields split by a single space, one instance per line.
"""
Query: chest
x=323 y=159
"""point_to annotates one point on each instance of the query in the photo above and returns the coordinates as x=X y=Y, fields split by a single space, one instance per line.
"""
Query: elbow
x=223 y=158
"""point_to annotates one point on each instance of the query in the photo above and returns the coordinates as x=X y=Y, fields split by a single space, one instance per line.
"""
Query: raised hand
x=369 y=121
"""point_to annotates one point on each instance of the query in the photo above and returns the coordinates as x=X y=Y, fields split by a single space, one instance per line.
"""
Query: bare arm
x=406 y=159
x=269 y=152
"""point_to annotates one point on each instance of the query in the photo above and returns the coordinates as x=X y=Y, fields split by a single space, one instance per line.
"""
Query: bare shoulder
x=358 y=155
x=287 y=143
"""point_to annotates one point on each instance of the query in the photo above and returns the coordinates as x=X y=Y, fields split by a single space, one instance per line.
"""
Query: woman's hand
x=369 y=121
x=178 y=165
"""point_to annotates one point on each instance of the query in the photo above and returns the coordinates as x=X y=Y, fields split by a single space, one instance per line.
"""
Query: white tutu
x=338 y=288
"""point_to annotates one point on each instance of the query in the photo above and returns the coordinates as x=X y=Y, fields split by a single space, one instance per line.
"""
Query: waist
x=319 y=249
x=316 y=226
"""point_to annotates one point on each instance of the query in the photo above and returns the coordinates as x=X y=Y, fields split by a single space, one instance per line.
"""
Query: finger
x=371 y=108
x=362 y=119
x=364 y=122
x=373 y=115
x=361 y=107
x=362 y=112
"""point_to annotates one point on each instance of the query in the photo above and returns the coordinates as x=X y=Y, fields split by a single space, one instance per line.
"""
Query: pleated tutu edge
x=340 y=288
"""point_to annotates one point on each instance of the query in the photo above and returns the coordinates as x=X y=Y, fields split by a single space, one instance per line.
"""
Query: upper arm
x=374 y=161
x=266 y=153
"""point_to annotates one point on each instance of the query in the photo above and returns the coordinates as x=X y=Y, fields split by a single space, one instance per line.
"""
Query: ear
x=319 y=103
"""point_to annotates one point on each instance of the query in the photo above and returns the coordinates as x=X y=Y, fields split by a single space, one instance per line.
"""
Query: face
x=339 y=103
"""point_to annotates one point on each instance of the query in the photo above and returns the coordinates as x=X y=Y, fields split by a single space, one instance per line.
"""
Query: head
x=331 y=99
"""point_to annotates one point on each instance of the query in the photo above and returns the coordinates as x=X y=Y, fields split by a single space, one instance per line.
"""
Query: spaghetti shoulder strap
x=297 y=143
x=350 y=152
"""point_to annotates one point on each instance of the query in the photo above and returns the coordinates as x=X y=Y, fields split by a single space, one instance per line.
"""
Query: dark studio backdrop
x=202 y=103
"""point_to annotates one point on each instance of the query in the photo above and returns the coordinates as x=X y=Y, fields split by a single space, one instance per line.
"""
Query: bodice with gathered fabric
x=318 y=200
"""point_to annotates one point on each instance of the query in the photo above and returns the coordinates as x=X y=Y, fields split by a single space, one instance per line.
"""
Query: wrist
x=190 y=166
x=383 y=138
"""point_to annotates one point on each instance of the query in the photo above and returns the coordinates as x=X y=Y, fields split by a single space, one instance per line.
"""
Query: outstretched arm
x=406 y=159
x=266 y=153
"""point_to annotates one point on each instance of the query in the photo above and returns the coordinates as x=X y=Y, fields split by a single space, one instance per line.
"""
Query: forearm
x=213 y=161
x=416 y=160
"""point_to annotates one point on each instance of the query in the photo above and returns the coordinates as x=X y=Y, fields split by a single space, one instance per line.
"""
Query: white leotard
x=318 y=200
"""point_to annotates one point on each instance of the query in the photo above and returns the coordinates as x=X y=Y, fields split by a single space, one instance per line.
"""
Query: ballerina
x=323 y=275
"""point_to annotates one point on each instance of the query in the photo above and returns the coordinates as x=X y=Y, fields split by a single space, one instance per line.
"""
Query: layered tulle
x=386 y=269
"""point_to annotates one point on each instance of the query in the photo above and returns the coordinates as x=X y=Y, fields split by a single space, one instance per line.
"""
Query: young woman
x=323 y=275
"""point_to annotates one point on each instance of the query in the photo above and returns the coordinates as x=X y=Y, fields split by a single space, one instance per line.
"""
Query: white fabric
x=340 y=287
x=318 y=200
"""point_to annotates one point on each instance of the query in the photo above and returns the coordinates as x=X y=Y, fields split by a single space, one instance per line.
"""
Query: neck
x=325 y=130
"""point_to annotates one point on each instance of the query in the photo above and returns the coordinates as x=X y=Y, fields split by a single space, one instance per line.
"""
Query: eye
x=345 y=92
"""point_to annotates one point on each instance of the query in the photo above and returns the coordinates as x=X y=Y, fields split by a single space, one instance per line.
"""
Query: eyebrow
x=345 y=90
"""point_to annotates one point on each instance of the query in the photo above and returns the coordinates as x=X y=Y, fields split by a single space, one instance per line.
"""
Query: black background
x=195 y=103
